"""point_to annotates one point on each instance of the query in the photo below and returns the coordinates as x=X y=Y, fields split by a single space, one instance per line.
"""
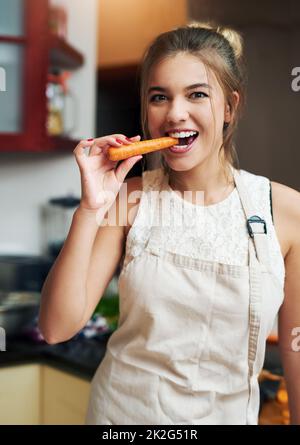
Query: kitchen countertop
x=81 y=356
x=78 y=356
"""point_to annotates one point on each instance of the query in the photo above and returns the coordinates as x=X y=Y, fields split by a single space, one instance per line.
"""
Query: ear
x=229 y=109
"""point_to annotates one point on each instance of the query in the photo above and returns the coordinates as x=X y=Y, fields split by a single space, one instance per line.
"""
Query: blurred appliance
x=21 y=280
x=58 y=214
x=23 y=273
x=17 y=311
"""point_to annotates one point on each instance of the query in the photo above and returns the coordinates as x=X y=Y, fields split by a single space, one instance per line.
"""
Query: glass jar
x=61 y=104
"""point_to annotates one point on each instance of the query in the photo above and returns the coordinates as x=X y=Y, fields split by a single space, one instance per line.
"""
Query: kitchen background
x=72 y=73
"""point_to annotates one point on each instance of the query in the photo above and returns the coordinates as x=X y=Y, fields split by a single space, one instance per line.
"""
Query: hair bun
x=205 y=25
x=233 y=37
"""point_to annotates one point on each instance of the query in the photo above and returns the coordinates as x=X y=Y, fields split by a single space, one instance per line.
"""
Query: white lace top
x=215 y=232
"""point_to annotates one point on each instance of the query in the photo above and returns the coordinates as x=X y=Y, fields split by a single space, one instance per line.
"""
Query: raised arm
x=91 y=251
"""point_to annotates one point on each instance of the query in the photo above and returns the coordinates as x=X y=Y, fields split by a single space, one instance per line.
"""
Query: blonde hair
x=221 y=50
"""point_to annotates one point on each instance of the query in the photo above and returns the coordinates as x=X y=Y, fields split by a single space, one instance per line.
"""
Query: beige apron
x=191 y=336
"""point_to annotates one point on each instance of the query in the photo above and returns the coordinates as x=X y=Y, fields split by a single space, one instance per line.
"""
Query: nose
x=177 y=111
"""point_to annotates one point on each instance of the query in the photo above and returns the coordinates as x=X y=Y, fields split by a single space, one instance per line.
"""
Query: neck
x=212 y=177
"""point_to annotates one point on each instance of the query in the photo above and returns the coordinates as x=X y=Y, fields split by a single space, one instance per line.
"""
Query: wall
x=248 y=12
x=126 y=27
x=82 y=33
x=28 y=180
x=268 y=138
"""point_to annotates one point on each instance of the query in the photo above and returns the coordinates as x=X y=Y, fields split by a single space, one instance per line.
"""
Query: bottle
x=55 y=105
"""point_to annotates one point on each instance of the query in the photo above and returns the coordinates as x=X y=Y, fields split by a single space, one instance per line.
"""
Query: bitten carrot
x=140 y=148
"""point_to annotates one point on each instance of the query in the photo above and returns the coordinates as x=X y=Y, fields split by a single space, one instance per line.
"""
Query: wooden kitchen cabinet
x=20 y=395
x=28 y=53
x=64 y=398
x=127 y=27
x=40 y=395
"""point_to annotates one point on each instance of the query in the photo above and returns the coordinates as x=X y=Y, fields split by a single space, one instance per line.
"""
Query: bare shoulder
x=132 y=189
x=286 y=211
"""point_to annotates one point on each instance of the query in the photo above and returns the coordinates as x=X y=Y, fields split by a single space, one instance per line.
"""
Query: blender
x=58 y=214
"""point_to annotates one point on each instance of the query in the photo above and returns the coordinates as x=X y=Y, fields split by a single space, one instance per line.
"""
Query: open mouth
x=185 y=139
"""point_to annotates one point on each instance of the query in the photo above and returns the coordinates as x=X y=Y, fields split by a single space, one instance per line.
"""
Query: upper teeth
x=182 y=134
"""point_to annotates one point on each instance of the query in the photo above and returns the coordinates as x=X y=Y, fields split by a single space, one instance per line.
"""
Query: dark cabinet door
x=23 y=62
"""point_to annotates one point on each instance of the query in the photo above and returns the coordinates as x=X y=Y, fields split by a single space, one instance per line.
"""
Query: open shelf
x=60 y=143
x=16 y=143
x=50 y=52
x=63 y=55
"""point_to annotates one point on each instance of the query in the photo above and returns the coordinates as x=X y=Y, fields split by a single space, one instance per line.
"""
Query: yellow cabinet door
x=20 y=395
x=64 y=398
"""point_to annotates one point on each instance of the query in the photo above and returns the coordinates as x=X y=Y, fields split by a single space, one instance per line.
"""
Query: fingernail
x=119 y=141
x=91 y=139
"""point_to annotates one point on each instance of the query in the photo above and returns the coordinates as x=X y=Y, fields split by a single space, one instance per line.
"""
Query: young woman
x=198 y=297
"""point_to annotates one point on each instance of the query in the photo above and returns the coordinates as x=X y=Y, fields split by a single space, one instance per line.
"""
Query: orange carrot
x=140 y=148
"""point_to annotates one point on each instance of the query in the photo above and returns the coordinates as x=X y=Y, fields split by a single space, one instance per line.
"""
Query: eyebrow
x=190 y=87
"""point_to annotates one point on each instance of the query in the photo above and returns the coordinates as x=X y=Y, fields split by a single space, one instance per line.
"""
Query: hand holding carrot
x=141 y=147
x=100 y=179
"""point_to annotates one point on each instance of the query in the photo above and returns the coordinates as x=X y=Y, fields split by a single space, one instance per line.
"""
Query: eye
x=199 y=95
x=157 y=98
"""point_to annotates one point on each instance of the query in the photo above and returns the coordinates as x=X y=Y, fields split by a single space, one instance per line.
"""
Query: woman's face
x=179 y=100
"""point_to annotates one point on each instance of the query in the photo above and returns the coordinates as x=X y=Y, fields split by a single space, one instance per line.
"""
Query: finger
x=125 y=166
x=95 y=150
x=79 y=150
x=121 y=139
x=124 y=140
x=101 y=146
x=110 y=141
x=135 y=138
x=114 y=139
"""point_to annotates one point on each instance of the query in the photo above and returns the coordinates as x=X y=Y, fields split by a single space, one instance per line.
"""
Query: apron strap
x=255 y=299
x=256 y=225
x=258 y=258
x=254 y=307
